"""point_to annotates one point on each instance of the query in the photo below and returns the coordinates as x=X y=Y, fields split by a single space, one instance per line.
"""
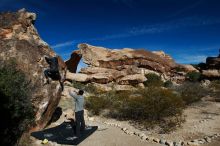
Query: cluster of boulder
x=125 y=68
x=211 y=69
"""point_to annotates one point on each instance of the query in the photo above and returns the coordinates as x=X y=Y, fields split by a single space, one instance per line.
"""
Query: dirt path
x=112 y=136
x=202 y=120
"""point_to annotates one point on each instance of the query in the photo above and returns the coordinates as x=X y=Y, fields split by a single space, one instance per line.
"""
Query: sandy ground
x=202 y=119
x=112 y=136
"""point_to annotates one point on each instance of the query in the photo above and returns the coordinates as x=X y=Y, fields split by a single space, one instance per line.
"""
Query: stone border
x=142 y=136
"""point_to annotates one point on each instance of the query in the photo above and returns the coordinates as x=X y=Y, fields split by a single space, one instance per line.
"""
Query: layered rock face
x=123 y=66
x=19 y=40
x=212 y=67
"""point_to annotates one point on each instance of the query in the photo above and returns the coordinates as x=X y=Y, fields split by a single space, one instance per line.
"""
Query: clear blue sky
x=188 y=30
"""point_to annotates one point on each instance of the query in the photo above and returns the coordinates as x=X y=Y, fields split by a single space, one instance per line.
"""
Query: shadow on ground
x=64 y=134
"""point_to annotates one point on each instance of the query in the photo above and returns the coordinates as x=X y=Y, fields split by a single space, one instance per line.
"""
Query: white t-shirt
x=79 y=101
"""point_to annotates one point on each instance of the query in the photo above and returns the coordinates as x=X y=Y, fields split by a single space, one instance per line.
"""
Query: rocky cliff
x=121 y=66
x=211 y=69
x=20 y=40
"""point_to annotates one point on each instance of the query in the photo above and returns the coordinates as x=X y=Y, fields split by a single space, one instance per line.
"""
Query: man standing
x=79 y=110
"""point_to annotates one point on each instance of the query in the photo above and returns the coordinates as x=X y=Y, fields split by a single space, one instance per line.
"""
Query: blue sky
x=188 y=30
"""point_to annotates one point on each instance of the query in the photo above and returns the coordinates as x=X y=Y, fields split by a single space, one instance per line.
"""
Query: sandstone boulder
x=73 y=61
x=114 y=59
x=211 y=69
x=19 y=40
x=211 y=73
x=132 y=79
x=188 y=68
x=162 y=54
x=123 y=87
x=213 y=62
x=97 y=72
x=79 y=77
x=122 y=66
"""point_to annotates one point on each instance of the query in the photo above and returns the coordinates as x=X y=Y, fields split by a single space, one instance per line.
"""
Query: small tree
x=193 y=76
x=153 y=80
x=15 y=108
x=191 y=92
x=168 y=84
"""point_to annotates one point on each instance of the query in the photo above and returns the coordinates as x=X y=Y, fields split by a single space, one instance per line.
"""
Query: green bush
x=215 y=85
x=78 y=85
x=168 y=84
x=96 y=104
x=16 y=109
x=149 y=105
x=153 y=80
x=191 y=92
x=90 y=88
x=215 y=89
x=193 y=76
x=179 y=69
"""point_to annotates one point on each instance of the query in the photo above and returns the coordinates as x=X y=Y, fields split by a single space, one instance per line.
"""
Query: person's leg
x=77 y=118
x=82 y=128
x=47 y=74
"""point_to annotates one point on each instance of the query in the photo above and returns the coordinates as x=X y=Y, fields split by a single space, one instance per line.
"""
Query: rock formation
x=20 y=40
x=213 y=62
x=211 y=69
x=121 y=66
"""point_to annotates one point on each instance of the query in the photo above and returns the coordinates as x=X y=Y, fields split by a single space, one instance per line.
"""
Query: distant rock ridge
x=211 y=69
x=20 y=40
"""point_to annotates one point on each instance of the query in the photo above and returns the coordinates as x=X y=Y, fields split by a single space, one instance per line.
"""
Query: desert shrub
x=96 y=104
x=78 y=85
x=191 y=92
x=168 y=84
x=215 y=88
x=160 y=103
x=178 y=69
x=193 y=76
x=153 y=80
x=149 y=105
x=215 y=84
x=16 y=108
x=91 y=88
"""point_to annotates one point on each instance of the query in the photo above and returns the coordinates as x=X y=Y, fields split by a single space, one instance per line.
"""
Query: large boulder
x=132 y=79
x=211 y=69
x=122 y=66
x=77 y=77
x=188 y=68
x=116 y=59
x=213 y=62
x=211 y=73
x=108 y=58
x=20 y=40
x=73 y=61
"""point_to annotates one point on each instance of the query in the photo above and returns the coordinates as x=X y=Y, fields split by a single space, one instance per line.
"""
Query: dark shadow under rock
x=64 y=134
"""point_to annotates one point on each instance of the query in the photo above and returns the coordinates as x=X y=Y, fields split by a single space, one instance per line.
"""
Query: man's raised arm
x=73 y=94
